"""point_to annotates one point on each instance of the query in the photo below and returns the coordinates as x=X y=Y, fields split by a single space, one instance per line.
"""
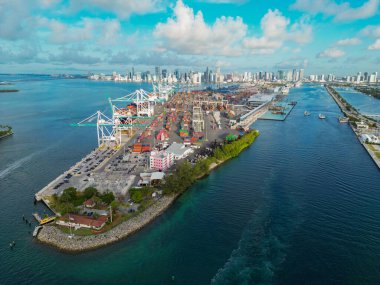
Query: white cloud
x=276 y=31
x=15 y=19
x=331 y=53
x=224 y=1
x=88 y=29
x=375 y=45
x=48 y=3
x=292 y=63
x=188 y=33
x=348 y=42
x=110 y=31
x=121 y=8
x=73 y=56
x=371 y=31
x=342 y=12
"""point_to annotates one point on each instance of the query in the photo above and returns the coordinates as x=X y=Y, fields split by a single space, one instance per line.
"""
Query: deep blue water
x=300 y=206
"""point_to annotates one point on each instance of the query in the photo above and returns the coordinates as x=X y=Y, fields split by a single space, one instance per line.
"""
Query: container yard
x=146 y=133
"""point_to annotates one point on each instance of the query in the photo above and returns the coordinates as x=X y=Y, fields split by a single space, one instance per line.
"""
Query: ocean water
x=300 y=206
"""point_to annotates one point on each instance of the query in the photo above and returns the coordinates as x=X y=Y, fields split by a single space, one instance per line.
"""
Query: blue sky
x=59 y=36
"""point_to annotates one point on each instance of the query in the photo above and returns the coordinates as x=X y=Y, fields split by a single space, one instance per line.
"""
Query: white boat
x=306 y=113
x=321 y=116
x=343 y=120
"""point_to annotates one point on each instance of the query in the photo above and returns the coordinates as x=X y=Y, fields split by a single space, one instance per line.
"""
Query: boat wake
x=257 y=257
x=16 y=164
x=264 y=244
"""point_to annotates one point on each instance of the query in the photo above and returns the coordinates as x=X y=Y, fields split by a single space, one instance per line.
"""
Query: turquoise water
x=300 y=206
x=364 y=103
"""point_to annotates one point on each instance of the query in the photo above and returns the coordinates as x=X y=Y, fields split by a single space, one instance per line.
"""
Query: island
x=5 y=131
x=150 y=151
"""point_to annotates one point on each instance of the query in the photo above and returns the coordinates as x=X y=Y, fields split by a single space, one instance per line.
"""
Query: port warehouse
x=150 y=132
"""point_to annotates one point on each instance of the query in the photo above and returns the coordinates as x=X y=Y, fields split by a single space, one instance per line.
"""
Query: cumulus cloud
x=276 y=31
x=342 y=12
x=371 y=31
x=331 y=53
x=15 y=19
x=292 y=63
x=224 y=1
x=48 y=3
x=87 y=29
x=73 y=56
x=188 y=33
x=20 y=54
x=348 y=42
x=375 y=45
x=121 y=8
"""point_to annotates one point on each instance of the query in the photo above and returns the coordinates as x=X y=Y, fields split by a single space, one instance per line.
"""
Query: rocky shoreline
x=53 y=236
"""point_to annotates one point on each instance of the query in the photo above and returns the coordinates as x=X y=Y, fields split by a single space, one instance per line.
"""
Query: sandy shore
x=53 y=236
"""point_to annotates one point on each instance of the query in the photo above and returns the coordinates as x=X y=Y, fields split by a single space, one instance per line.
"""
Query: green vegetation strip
x=71 y=199
x=373 y=91
x=186 y=174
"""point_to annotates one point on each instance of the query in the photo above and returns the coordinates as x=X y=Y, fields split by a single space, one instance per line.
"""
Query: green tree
x=107 y=197
x=68 y=195
x=136 y=196
x=90 y=192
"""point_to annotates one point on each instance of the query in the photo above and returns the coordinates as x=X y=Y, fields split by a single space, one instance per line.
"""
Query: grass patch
x=78 y=232
x=371 y=147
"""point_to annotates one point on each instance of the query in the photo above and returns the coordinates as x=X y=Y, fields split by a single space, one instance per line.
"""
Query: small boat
x=306 y=113
x=343 y=120
x=321 y=116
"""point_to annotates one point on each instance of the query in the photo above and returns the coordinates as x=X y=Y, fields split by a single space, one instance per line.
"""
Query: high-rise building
x=281 y=74
x=206 y=75
x=294 y=75
x=373 y=78
x=157 y=72
x=164 y=73
x=330 y=77
x=365 y=76
x=177 y=74
x=302 y=73
x=358 y=77
x=289 y=76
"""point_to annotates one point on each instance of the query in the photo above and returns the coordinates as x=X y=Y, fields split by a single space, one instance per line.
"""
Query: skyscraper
x=164 y=73
x=157 y=72
x=294 y=75
x=302 y=73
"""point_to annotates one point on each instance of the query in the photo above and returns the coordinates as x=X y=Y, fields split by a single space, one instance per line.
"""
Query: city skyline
x=60 y=36
x=164 y=75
